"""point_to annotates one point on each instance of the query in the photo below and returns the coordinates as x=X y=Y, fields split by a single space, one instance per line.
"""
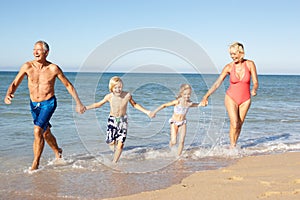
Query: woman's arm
x=254 y=78
x=216 y=85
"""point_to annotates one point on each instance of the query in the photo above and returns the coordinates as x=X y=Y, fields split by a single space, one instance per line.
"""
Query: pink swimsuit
x=239 y=90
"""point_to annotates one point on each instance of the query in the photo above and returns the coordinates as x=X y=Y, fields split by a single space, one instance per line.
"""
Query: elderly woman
x=238 y=95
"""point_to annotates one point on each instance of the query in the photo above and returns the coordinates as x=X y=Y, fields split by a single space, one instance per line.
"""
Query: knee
x=38 y=132
x=236 y=124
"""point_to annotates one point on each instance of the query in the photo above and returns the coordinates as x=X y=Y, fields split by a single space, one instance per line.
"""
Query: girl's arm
x=98 y=104
x=195 y=105
x=216 y=85
x=171 y=103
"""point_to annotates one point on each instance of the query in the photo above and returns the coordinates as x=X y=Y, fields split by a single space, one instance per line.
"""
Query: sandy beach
x=256 y=177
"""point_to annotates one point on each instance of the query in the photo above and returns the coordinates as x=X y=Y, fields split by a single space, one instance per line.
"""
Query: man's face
x=39 y=53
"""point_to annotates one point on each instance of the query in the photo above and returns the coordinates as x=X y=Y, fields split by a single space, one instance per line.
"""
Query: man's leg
x=38 y=146
x=51 y=141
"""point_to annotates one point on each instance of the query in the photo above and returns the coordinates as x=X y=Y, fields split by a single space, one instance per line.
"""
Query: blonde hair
x=114 y=81
x=238 y=46
x=183 y=87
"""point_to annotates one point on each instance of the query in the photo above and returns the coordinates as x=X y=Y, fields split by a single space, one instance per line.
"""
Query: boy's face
x=117 y=89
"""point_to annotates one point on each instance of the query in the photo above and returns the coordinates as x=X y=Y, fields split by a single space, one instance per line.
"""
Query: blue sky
x=268 y=29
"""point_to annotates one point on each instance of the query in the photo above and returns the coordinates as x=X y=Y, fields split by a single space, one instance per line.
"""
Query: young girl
x=178 y=120
x=117 y=121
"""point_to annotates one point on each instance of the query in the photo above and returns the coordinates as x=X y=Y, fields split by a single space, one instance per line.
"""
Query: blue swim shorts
x=42 y=112
x=116 y=129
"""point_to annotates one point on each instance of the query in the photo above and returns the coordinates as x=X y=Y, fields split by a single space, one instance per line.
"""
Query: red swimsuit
x=239 y=90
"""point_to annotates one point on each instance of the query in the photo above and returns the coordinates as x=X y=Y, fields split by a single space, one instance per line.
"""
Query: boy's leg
x=118 y=151
x=112 y=146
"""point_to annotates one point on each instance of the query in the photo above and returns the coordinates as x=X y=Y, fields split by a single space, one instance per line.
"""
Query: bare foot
x=34 y=166
x=58 y=154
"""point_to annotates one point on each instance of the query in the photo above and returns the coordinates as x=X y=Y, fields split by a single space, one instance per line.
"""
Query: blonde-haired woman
x=238 y=95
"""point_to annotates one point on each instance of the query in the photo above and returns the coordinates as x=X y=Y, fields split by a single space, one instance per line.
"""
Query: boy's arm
x=139 y=107
x=98 y=104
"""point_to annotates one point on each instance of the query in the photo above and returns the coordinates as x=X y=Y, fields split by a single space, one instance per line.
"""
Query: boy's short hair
x=114 y=81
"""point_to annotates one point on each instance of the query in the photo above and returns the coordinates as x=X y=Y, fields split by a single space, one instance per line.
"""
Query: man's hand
x=8 y=98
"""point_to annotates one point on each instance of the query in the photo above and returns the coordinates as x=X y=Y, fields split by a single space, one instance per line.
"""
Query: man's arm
x=15 y=84
x=79 y=106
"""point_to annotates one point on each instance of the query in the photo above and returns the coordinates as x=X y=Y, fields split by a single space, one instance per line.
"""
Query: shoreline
x=275 y=176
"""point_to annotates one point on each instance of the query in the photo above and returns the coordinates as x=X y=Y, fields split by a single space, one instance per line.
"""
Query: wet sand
x=257 y=177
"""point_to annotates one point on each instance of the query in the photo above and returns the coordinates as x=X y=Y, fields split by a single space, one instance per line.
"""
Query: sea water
x=147 y=163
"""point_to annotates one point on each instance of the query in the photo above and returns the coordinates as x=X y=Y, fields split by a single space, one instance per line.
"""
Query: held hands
x=204 y=102
x=8 y=98
x=151 y=114
x=80 y=108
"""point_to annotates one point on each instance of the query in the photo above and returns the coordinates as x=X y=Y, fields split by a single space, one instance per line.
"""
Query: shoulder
x=126 y=95
x=228 y=67
x=250 y=64
x=108 y=96
x=176 y=102
x=226 y=70
x=54 y=68
x=27 y=65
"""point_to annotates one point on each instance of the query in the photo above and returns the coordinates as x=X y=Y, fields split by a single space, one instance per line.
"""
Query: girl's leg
x=182 y=130
x=174 y=131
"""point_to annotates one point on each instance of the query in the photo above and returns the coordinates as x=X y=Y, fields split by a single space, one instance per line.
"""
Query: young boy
x=117 y=121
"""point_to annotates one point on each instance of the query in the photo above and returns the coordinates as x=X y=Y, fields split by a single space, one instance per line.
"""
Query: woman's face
x=235 y=54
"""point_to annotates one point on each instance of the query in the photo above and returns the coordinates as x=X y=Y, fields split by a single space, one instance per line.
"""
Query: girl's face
x=186 y=94
x=117 y=89
x=235 y=55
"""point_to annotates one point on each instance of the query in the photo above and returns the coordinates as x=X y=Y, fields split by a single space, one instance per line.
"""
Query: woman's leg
x=243 y=109
x=235 y=124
